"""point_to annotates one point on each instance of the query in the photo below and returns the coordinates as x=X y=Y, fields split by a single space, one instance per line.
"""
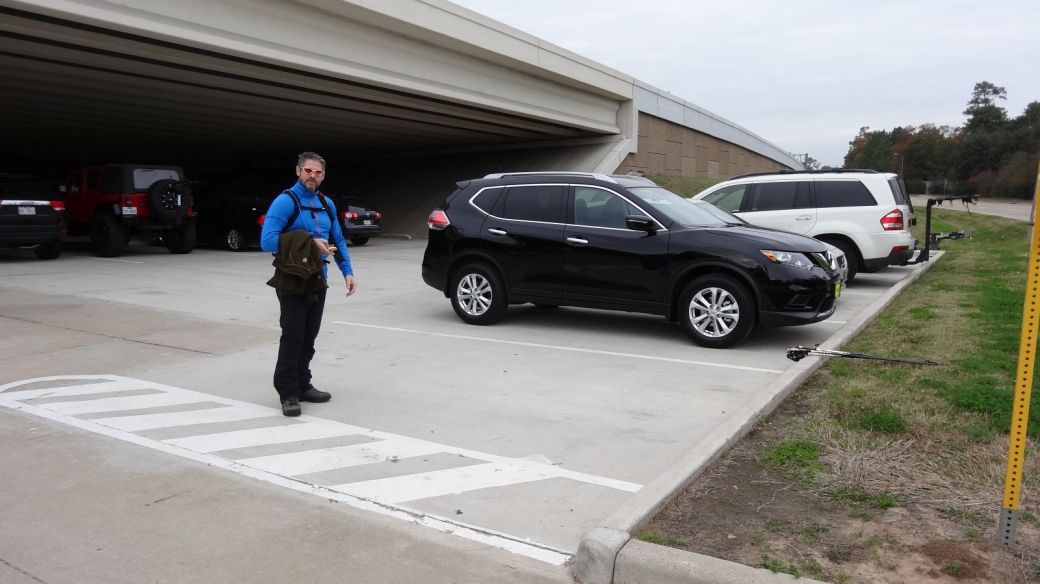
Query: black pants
x=300 y=323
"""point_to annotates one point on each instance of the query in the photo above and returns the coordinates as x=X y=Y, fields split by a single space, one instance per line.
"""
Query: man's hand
x=325 y=247
x=351 y=285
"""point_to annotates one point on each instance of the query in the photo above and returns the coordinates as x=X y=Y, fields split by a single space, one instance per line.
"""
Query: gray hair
x=305 y=156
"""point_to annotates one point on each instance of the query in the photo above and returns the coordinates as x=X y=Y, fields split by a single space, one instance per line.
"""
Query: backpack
x=296 y=211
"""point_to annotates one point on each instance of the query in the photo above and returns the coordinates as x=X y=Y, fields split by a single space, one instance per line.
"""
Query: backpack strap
x=296 y=209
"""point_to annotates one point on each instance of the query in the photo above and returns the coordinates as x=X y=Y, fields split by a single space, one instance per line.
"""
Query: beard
x=310 y=184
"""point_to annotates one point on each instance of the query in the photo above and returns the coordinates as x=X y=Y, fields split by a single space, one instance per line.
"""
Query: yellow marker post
x=1023 y=387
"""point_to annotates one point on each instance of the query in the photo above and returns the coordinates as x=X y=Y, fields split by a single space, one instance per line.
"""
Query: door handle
x=803 y=217
x=496 y=231
x=577 y=240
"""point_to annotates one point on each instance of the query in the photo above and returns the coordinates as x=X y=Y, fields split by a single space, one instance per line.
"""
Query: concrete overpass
x=403 y=97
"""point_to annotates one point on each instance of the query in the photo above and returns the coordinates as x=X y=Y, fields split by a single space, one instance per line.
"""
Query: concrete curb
x=595 y=547
x=640 y=562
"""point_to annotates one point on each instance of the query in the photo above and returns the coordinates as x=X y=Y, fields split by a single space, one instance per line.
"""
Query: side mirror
x=640 y=223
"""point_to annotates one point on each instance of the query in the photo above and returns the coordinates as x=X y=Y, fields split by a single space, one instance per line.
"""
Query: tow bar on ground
x=799 y=353
x=930 y=238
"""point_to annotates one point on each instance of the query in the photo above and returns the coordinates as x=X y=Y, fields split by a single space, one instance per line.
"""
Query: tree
x=983 y=112
x=811 y=163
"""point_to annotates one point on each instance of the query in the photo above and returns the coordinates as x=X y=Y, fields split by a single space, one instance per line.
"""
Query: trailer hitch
x=798 y=353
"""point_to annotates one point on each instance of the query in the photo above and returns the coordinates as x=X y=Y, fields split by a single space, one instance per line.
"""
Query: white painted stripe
x=443 y=482
x=119 y=404
x=449 y=481
x=299 y=463
x=561 y=348
x=480 y=535
x=105 y=259
x=74 y=390
x=152 y=421
x=264 y=436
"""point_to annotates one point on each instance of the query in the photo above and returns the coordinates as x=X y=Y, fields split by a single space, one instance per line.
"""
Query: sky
x=803 y=74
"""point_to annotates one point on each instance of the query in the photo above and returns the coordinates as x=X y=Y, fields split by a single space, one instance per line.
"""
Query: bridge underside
x=75 y=94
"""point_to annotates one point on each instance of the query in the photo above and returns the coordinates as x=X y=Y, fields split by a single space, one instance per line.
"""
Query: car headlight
x=789 y=258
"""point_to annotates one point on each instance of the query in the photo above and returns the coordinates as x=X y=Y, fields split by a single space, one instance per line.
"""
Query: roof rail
x=821 y=171
x=594 y=175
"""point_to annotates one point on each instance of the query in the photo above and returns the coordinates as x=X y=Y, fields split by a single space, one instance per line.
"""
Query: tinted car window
x=600 y=208
x=535 y=203
x=112 y=181
x=93 y=179
x=487 y=199
x=727 y=198
x=75 y=180
x=897 y=191
x=780 y=196
x=684 y=211
x=843 y=193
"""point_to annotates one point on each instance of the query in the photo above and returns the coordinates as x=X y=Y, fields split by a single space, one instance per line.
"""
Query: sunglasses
x=316 y=172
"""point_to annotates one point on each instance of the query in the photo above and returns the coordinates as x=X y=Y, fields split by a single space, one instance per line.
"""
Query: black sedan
x=32 y=214
x=231 y=219
x=361 y=220
x=621 y=243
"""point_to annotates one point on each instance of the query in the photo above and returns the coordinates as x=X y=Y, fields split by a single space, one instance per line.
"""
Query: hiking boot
x=315 y=396
x=291 y=407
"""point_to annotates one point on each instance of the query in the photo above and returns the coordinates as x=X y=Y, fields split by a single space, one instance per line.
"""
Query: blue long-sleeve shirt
x=318 y=225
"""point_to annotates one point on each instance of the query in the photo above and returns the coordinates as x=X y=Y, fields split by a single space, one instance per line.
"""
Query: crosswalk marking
x=311 y=461
x=152 y=421
x=263 y=436
x=442 y=482
x=119 y=404
x=380 y=495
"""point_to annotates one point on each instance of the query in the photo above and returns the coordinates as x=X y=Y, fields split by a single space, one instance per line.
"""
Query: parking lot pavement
x=530 y=431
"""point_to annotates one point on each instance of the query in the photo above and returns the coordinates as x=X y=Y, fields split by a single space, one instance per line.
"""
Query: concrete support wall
x=671 y=149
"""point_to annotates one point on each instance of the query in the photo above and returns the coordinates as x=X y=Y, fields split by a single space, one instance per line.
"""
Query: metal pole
x=1023 y=389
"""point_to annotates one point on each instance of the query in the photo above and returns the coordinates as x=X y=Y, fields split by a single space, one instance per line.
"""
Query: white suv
x=863 y=213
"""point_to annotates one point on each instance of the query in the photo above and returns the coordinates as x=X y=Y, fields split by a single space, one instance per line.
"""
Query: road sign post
x=1023 y=388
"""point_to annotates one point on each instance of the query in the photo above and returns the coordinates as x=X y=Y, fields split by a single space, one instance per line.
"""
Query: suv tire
x=716 y=311
x=359 y=240
x=851 y=256
x=107 y=236
x=168 y=199
x=477 y=294
x=48 y=251
x=181 y=240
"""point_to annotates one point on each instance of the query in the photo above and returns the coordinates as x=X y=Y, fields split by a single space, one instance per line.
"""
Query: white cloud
x=804 y=74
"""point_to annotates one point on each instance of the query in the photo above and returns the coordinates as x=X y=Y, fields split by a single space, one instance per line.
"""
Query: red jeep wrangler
x=115 y=202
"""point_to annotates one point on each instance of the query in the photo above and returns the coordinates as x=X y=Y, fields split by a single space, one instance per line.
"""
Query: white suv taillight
x=893 y=221
x=438 y=220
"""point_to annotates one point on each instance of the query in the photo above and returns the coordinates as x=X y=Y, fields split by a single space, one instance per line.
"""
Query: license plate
x=837 y=290
x=129 y=210
x=367 y=222
x=26 y=210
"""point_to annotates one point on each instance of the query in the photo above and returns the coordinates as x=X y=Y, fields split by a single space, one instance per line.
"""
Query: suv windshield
x=684 y=211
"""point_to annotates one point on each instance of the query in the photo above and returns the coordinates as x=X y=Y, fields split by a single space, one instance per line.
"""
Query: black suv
x=621 y=243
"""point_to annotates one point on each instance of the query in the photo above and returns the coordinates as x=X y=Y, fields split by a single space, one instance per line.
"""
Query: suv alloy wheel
x=477 y=294
x=235 y=239
x=716 y=311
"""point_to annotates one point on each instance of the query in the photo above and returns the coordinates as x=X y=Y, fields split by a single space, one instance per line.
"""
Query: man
x=301 y=318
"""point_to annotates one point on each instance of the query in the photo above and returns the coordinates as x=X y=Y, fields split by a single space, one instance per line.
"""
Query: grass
x=686 y=186
x=890 y=433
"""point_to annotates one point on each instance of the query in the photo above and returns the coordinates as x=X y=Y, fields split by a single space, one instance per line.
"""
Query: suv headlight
x=789 y=258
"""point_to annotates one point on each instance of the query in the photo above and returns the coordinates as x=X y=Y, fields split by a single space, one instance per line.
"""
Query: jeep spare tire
x=168 y=199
